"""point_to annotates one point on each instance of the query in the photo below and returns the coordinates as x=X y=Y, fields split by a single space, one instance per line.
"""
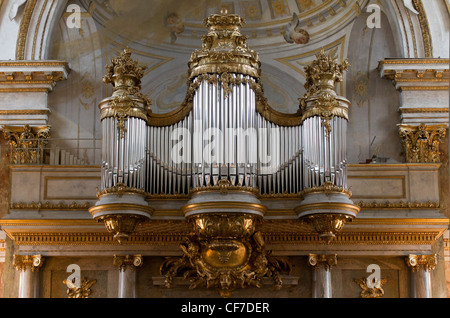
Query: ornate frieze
x=422 y=142
x=50 y=206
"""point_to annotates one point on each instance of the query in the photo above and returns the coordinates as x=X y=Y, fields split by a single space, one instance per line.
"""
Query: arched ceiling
x=137 y=21
x=162 y=34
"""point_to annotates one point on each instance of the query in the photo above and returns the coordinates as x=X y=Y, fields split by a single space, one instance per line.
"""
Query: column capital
x=325 y=261
x=33 y=262
x=422 y=142
x=426 y=262
x=128 y=261
x=26 y=144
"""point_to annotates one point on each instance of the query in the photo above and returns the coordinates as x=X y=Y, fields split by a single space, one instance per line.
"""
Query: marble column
x=28 y=266
x=321 y=264
x=127 y=274
x=421 y=267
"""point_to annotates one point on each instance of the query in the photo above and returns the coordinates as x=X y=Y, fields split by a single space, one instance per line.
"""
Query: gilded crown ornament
x=127 y=101
x=224 y=49
x=124 y=72
x=324 y=72
x=320 y=98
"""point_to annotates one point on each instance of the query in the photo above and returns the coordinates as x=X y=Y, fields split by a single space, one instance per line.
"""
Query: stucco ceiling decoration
x=163 y=36
x=180 y=23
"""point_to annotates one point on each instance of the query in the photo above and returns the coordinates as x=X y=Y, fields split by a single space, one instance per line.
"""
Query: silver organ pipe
x=280 y=147
x=324 y=158
x=169 y=162
x=224 y=130
x=123 y=158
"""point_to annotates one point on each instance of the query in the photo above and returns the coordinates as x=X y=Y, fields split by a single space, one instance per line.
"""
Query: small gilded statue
x=293 y=32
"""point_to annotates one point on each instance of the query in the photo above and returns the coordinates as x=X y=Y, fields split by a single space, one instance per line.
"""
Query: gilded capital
x=422 y=142
x=325 y=261
x=125 y=262
x=424 y=262
x=26 y=144
x=24 y=262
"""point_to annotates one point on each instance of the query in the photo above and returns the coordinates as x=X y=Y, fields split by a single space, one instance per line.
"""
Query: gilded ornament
x=324 y=72
x=327 y=188
x=225 y=252
x=224 y=186
x=422 y=262
x=26 y=145
x=24 y=262
x=399 y=205
x=425 y=28
x=422 y=142
x=125 y=262
x=225 y=49
x=121 y=225
x=84 y=291
x=127 y=101
x=361 y=88
x=327 y=225
x=50 y=206
x=376 y=291
x=119 y=189
x=320 y=98
x=323 y=260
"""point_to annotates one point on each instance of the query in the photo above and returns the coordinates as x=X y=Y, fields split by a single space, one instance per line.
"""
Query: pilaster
x=421 y=266
x=322 y=264
x=28 y=266
x=127 y=265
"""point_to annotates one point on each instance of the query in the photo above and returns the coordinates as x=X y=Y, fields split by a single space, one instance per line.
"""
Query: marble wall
x=374 y=112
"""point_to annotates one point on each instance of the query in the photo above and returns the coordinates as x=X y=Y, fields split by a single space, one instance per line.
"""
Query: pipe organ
x=224 y=149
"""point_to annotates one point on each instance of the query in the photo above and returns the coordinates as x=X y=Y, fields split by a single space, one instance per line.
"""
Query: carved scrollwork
x=232 y=255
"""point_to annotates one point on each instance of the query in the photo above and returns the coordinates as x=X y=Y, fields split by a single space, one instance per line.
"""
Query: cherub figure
x=175 y=25
x=293 y=32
